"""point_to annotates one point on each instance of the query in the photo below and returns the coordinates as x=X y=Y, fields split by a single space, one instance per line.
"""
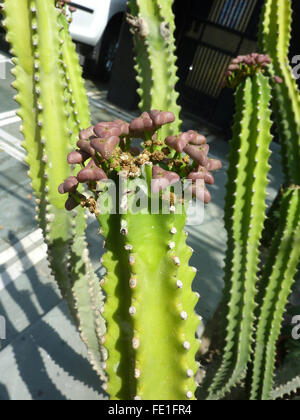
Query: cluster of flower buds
x=246 y=65
x=195 y=146
x=150 y=123
x=105 y=150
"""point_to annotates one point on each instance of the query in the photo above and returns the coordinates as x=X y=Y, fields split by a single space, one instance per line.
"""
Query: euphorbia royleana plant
x=149 y=309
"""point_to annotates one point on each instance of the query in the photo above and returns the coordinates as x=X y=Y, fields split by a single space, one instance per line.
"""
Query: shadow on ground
x=40 y=341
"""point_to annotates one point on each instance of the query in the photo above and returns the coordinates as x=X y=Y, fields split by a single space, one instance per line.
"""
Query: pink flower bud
x=278 y=79
x=85 y=146
x=233 y=67
x=69 y=186
x=163 y=118
x=196 y=138
x=124 y=127
x=87 y=134
x=71 y=204
x=162 y=179
x=77 y=157
x=202 y=174
x=91 y=173
x=213 y=165
x=137 y=126
x=198 y=154
x=105 y=146
x=177 y=143
x=201 y=193
x=107 y=129
x=154 y=113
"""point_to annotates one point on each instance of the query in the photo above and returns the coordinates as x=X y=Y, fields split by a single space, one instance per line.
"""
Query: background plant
x=153 y=26
x=244 y=216
x=53 y=108
x=274 y=39
x=251 y=339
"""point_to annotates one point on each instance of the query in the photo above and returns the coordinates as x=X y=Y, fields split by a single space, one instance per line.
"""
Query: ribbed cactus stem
x=149 y=310
x=152 y=22
x=18 y=25
x=35 y=32
x=286 y=389
x=119 y=333
x=279 y=274
x=163 y=315
x=244 y=218
x=73 y=75
x=275 y=35
x=53 y=128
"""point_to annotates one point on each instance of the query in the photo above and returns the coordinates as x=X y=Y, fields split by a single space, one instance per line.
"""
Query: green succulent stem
x=279 y=274
x=153 y=25
x=47 y=95
x=244 y=218
x=149 y=306
x=275 y=36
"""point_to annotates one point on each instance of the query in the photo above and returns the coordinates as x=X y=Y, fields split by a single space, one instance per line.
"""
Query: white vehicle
x=96 y=28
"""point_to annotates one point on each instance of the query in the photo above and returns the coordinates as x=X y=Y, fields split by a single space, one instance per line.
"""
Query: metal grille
x=213 y=42
x=207 y=71
x=233 y=14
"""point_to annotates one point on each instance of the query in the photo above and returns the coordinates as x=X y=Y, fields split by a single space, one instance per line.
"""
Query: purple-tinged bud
x=105 y=146
x=164 y=118
x=77 y=157
x=213 y=165
x=198 y=154
x=61 y=189
x=137 y=125
x=177 y=143
x=85 y=146
x=278 y=79
x=148 y=123
x=249 y=60
x=154 y=113
x=233 y=67
x=260 y=59
x=105 y=130
x=201 y=193
x=196 y=138
x=162 y=179
x=202 y=174
x=86 y=175
x=69 y=186
x=71 y=204
x=268 y=59
x=87 y=134
x=92 y=173
x=100 y=175
x=124 y=127
x=140 y=125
